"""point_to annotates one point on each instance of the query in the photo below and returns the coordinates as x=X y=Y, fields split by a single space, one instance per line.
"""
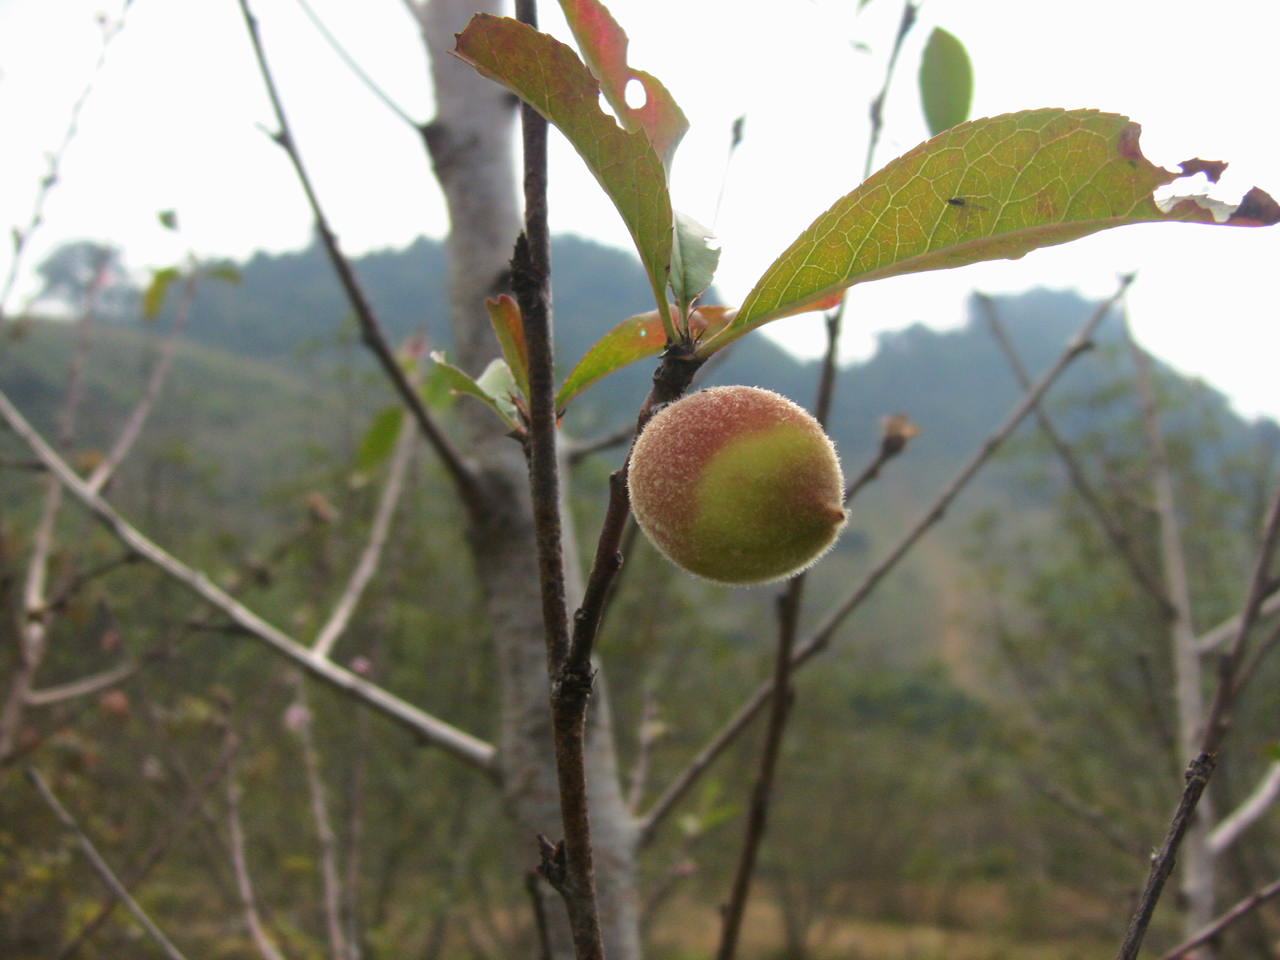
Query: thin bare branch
x=22 y=236
x=1229 y=629
x=137 y=419
x=37 y=615
x=569 y=865
x=1211 y=931
x=461 y=745
x=101 y=867
x=1100 y=820
x=896 y=432
x=240 y=863
x=370 y=328
x=649 y=734
x=908 y=19
x=191 y=802
x=1231 y=667
x=1249 y=812
x=780 y=703
x=354 y=66
x=84 y=687
x=300 y=723
x=1162 y=862
x=1115 y=534
x=371 y=556
x=1198 y=869
x=577 y=452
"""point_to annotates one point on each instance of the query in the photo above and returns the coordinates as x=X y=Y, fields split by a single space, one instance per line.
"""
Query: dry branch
x=100 y=865
x=465 y=747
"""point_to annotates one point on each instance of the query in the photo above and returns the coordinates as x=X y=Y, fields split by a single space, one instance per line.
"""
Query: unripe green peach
x=737 y=485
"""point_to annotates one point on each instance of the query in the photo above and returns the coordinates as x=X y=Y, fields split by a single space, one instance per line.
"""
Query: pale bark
x=471 y=149
x=1250 y=811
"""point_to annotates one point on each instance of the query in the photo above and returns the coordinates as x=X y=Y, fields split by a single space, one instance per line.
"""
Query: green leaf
x=154 y=297
x=634 y=339
x=604 y=47
x=694 y=258
x=168 y=219
x=508 y=326
x=550 y=77
x=437 y=389
x=495 y=388
x=379 y=440
x=985 y=190
x=946 y=82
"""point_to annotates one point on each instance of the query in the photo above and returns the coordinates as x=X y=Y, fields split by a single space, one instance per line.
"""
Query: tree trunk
x=471 y=150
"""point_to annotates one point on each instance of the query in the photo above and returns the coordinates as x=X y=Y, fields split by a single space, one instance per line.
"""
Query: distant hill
x=272 y=376
x=272 y=393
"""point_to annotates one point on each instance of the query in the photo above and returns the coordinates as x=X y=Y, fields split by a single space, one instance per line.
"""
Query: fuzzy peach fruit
x=737 y=485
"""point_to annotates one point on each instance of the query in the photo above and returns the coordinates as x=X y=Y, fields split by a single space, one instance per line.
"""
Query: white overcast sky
x=176 y=120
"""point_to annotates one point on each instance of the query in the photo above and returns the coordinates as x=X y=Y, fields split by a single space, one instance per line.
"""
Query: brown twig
x=370 y=328
x=1162 y=862
x=1241 y=909
x=905 y=23
x=531 y=881
x=1232 y=662
x=1198 y=867
x=896 y=432
x=781 y=701
x=569 y=866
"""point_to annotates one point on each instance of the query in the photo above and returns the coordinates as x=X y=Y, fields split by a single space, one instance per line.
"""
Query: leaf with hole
x=550 y=77
x=990 y=189
x=604 y=47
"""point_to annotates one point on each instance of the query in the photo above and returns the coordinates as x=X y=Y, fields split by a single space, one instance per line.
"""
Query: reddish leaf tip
x=1257 y=209
x=1212 y=169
